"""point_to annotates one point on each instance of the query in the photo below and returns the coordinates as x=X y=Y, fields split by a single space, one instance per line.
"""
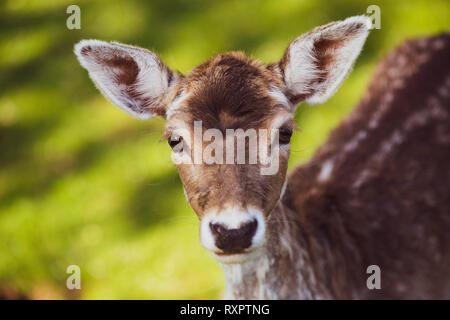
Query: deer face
x=229 y=121
x=232 y=198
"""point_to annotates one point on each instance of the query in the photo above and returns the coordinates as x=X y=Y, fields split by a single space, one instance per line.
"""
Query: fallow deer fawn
x=377 y=192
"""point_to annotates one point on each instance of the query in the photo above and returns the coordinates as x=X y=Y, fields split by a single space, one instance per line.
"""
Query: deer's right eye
x=285 y=135
x=174 y=141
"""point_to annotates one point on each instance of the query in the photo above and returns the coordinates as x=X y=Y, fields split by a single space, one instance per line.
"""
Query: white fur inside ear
x=146 y=83
x=303 y=73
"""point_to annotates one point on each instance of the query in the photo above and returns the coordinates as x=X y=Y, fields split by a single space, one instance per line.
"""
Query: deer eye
x=285 y=135
x=174 y=141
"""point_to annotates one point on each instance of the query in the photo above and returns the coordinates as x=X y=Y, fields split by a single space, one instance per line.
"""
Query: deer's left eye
x=285 y=135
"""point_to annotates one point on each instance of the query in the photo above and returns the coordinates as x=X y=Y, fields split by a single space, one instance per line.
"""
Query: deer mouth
x=236 y=257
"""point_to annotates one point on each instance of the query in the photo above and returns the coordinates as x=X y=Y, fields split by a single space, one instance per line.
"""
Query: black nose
x=234 y=240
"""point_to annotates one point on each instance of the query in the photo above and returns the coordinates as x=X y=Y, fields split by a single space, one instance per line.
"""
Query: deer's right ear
x=316 y=63
x=134 y=79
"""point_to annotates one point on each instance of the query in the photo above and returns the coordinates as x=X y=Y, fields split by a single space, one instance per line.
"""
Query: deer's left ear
x=315 y=64
x=134 y=79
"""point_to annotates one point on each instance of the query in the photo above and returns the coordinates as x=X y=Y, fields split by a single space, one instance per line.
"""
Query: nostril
x=234 y=240
x=217 y=228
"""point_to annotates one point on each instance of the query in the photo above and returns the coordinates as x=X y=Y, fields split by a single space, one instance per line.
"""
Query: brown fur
x=399 y=218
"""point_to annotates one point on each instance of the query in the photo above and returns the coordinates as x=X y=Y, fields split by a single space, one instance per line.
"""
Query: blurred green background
x=83 y=183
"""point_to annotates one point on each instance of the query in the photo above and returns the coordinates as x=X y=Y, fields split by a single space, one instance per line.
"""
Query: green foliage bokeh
x=83 y=183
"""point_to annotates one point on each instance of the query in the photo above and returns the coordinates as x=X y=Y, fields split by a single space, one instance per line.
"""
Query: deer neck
x=281 y=270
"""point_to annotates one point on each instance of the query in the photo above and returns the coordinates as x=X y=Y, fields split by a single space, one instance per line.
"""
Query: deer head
x=233 y=199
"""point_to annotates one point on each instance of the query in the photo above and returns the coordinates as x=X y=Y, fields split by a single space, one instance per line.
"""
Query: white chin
x=236 y=258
